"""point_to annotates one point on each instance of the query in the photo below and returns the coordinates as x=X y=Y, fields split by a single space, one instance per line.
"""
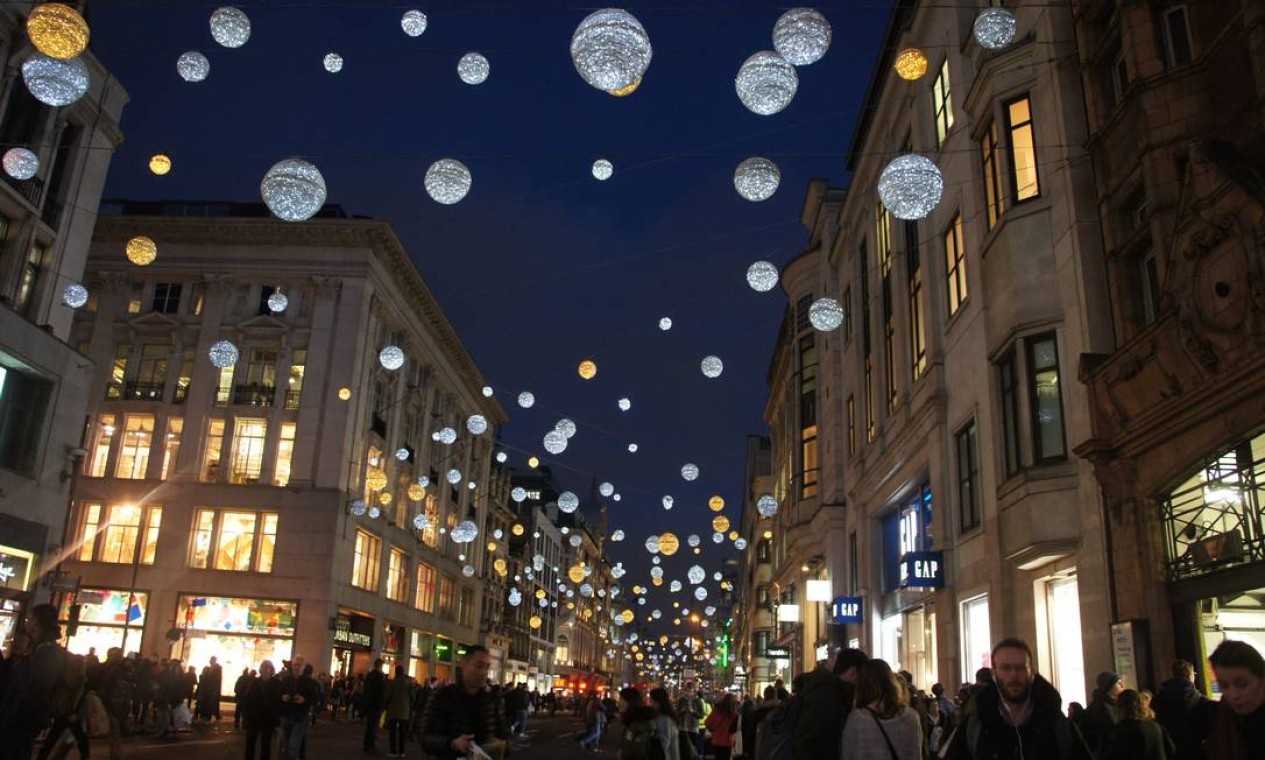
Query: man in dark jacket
x=1021 y=718
x=827 y=698
x=516 y=702
x=27 y=704
x=1183 y=711
x=371 y=703
x=464 y=713
x=240 y=687
x=1100 y=717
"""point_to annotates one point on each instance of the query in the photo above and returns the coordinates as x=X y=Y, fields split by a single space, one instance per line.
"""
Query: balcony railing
x=138 y=391
x=254 y=395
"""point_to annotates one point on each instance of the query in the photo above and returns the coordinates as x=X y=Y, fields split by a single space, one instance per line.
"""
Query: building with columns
x=301 y=499
x=45 y=228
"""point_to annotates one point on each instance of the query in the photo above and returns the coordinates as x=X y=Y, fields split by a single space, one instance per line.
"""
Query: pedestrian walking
x=828 y=696
x=240 y=688
x=373 y=692
x=640 y=726
x=667 y=730
x=466 y=712
x=594 y=723
x=1100 y=717
x=262 y=711
x=516 y=703
x=399 y=708
x=1238 y=721
x=882 y=726
x=1183 y=711
x=689 y=712
x=1137 y=736
x=722 y=724
x=33 y=693
x=299 y=693
x=208 y=695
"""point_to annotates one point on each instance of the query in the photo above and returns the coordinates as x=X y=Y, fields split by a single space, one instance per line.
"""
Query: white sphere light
x=717 y=575
x=694 y=540
x=610 y=49
x=446 y=436
x=825 y=314
x=413 y=23
x=465 y=532
x=766 y=505
x=762 y=276
x=740 y=543
x=20 y=163
x=293 y=190
x=910 y=186
x=766 y=83
x=223 y=354
x=515 y=597
x=801 y=36
x=277 y=302
x=74 y=295
x=518 y=494
x=718 y=538
x=468 y=571
x=554 y=442
x=712 y=367
x=674 y=586
x=667 y=502
x=454 y=476
x=357 y=507
x=995 y=28
x=700 y=593
x=697 y=575
x=502 y=457
x=575 y=541
x=618 y=535
x=624 y=404
x=374 y=512
x=192 y=66
x=391 y=358
x=656 y=572
x=566 y=427
x=756 y=179
x=652 y=544
x=473 y=68
x=420 y=521
x=55 y=82
x=447 y=181
x=477 y=424
x=401 y=454
x=568 y=502
x=526 y=400
x=333 y=63
x=690 y=471
x=603 y=169
x=606 y=489
x=230 y=27
x=665 y=323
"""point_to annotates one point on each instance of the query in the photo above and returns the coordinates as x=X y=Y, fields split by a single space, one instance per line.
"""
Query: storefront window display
x=1236 y=617
x=977 y=639
x=106 y=620
x=1059 y=614
x=239 y=633
x=392 y=647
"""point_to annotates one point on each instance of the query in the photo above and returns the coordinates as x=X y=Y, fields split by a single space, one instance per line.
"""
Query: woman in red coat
x=721 y=724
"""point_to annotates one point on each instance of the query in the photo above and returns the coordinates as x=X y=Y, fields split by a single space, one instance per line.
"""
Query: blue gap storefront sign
x=922 y=570
x=907 y=535
x=845 y=610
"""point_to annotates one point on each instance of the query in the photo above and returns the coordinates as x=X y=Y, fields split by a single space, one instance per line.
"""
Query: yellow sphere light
x=657 y=581
x=668 y=544
x=733 y=535
x=911 y=64
x=576 y=573
x=344 y=393
x=716 y=503
x=141 y=251
x=540 y=593
x=588 y=369
x=375 y=479
x=416 y=491
x=628 y=616
x=57 y=30
x=491 y=546
x=518 y=529
x=501 y=566
x=720 y=523
x=534 y=622
x=384 y=498
x=160 y=164
x=533 y=462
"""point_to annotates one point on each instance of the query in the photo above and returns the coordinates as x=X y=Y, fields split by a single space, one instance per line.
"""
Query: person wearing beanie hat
x=1099 y=719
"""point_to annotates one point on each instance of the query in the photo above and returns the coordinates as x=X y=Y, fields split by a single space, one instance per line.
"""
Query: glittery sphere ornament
x=55 y=82
x=554 y=442
x=223 y=354
x=453 y=476
x=766 y=505
x=910 y=186
x=911 y=64
x=20 y=163
x=374 y=513
x=473 y=68
x=568 y=502
x=618 y=535
x=357 y=507
x=420 y=521
x=652 y=544
x=526 y=400
x=712 y=367
x=674 y=587
x=606 y=489
x=468 y=571
x=766 y=83
x=415 y=491
x=762 y=276
x=57 y=30
x=515 y=597
x=690 y=472
x=611 y=50
x=587 y=369
x=575 y=540
x=665 y=324
x=519 y=494
x=477 y=424
x=333 y=63
x=74 y=295
x=465 y=532
x=502 y=457
x=391 y=357
x=995 y=28
x=716 y=503
x=668 y=501
x=293 y=190
x=402 y=454
x=447 y=181
x=566 y=427
x=413 y=23
x=632 y=448
x=756 y=179
x=668 y=544
x=487 y=391
x=696 y=575
x=624 y=404
x=277 y=302
x=192 y=66
x=603 y=169
x=230 y=27
x=160 y=164
x=141 y=251
x=740 y=543
x=446 y=436
x=825 y=314
x=693 y=540
x=700 y=593
x=801 y=36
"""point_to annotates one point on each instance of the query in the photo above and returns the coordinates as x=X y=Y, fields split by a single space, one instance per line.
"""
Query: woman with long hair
x=638 y=725
x=882 y=727
x=666 y=729
x=722 y=724
x=1137 y=736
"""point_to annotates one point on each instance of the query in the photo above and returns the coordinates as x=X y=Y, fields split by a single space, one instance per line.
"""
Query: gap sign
x=845 y=609
x=922 y=570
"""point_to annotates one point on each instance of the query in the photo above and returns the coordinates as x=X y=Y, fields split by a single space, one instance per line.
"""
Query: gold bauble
x=160 y=164
x=534 y=622
x=375 y=479
x=501 y=567
x=57 y=31
x=416 y=491
x=720 y=523
x=628 y=616
x=533 y=462
x=384 y=498
x=588 y=369
x=344 y=393
x=668 y=544
x=518 y=529
x=540 y=593
x=491 y=546
x=141 y=251
x=576 y=573
x=657 y=581
x=911 y=64
x=716 y=503
x=733 y=535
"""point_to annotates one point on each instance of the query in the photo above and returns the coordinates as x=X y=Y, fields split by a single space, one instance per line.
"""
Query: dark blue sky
x=540 y=266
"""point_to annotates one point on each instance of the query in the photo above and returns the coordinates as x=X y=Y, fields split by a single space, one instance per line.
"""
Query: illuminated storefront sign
x=353 y=631
x=15 y=568
x=922 y=570
x=845 y=610
x=778 y=653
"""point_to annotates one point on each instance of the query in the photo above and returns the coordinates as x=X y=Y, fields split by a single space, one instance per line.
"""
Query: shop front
x=240 y=633
x=445 y=660
x=421 y=645
x=16 y=569
x=912 y=573
x=393 y=637
x=353 y=643
x=105 y=620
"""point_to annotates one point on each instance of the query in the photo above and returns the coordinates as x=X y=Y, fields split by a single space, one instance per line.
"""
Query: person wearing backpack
x=639 y=726
x=35 y=680
x=827 y=696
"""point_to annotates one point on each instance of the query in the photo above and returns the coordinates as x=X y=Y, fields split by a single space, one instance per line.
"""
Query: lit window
x=942 y=103
x=234 y=540
x=294 y=389
x=249 y=437
x=267 y=543
x=211 y=451
x=1023 y=150
x=151 y=373
x=118 y=372
x=102 y=438
x=1047 y=403
x=285 y=453
x=175 y=427
x=88 y=536
x=992 y=175
x=955 y=265
x=366 y=561
x=128 y=529
x=224 y=388
x=424 y=599
x=397 y=576
x=138 y=434
x=183 y=381
x=430 y=535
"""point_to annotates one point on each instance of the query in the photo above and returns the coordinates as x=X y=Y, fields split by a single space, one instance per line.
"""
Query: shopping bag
x=96 y=718
x=181 y=716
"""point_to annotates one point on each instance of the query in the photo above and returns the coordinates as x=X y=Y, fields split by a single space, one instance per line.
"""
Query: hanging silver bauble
x=402 y=454
x=801 y=36
x=357 y=507
x=374 y=512
x=825 y=314
x=668 y=501
x=700 y=593
x=473 y=68
x=693 y=540
x=995 y=28
x=20 y=163
x=603 y=169
x=712 y=367
x=624 y=404
x=223 y=354
x=575 y=541
x=554 y=442
x=665 y=323
x=420 y=521
x=697 y=575
x=610 y=49
x=453 y=476
x=526 y=399
x=446 y=436
x=293 y=189
x=910 y=186
x=606 y=489
x=518 y=494
x=413 y=23
x=391 y=357
x=689 y=471
x=762 y=276
x=192 y=66
x=465 y=532
x=756 y=179
x=674 y=586
x=568 y=502
x=632 y=448
x=53 y=81
x=468 y=571
x=477 y=424
x=766 y=83
x=618 y=535
x=766 y=505
x=652 y=544
x=502 y=457
x=230 y=27
x=277 y=302
x=566 y=427
x=333 y=63
x=740 y=543
x=74 y=295
x=515 y=597
x=447 y=181
x=718 y=537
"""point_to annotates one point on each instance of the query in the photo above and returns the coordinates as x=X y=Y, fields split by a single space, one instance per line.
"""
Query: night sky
x=541 y=265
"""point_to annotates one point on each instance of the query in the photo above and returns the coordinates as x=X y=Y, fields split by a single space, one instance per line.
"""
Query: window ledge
x=1034 y=478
